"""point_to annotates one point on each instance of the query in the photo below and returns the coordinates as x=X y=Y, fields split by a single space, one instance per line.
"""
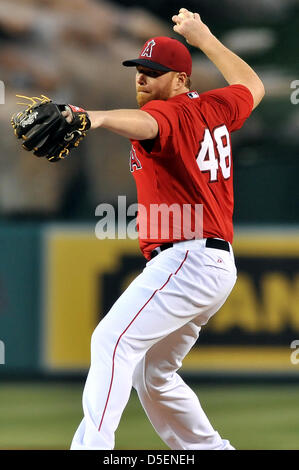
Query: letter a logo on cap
x=147 y=52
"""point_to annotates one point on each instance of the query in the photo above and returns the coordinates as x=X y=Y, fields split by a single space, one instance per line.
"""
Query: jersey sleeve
x=233 y=104
x=167 y=118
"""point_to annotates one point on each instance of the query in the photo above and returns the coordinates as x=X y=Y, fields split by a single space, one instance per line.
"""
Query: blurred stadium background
x=57 y=279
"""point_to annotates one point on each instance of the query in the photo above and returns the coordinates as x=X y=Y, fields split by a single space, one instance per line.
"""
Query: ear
x=181 y=78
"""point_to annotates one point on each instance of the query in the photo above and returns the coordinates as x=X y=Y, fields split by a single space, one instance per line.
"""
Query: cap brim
x=146 y=63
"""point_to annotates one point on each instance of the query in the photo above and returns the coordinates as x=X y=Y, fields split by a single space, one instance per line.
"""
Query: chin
x=143 y=98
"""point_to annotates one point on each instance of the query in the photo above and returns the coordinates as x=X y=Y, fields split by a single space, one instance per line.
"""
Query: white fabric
x=143 y=340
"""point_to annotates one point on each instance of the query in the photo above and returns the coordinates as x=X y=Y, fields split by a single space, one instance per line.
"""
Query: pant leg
x=174 y=288
x=170 y=404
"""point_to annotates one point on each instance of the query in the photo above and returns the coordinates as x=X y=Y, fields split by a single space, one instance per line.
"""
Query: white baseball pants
x=143 y=340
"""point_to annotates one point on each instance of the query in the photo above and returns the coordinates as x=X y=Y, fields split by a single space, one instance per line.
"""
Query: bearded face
x=153 y=85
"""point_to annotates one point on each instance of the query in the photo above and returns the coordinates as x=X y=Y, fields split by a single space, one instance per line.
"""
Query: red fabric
x=168 y=171
x=168 y=52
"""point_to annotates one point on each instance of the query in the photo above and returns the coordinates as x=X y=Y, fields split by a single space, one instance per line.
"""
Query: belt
x=210 y=243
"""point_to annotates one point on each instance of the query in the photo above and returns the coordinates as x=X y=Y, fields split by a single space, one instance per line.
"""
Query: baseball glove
x=45 y=130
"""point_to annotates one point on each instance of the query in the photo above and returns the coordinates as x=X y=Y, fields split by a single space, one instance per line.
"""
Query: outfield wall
x=57 y=282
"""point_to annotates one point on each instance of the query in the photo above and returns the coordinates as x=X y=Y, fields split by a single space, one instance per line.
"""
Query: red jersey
x=189 y=164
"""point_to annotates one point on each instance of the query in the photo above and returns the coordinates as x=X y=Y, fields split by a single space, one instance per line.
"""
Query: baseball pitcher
x=181 y=157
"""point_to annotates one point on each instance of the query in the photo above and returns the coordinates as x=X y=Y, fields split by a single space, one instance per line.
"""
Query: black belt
x=210 y=243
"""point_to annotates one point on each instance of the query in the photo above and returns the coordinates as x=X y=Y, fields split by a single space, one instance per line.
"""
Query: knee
x=102 y=340
x=107 y=340
x=149 y=379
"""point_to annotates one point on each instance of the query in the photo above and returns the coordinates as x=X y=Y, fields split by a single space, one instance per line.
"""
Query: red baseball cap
x=165 y=54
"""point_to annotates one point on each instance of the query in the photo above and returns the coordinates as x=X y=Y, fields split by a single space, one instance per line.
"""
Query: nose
x=141 y=78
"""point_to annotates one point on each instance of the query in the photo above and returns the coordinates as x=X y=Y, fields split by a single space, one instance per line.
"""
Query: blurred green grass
x=45 y=416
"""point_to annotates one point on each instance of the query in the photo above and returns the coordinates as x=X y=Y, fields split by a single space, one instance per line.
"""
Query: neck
x=180 y=91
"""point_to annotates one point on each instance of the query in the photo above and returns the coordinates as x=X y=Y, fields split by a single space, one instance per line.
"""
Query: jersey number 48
x=207 y=160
